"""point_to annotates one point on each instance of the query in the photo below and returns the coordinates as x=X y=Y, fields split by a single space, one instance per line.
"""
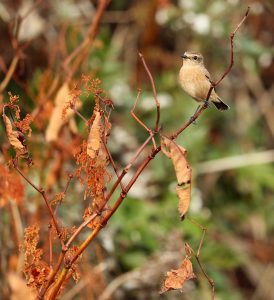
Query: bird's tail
x=220 y=105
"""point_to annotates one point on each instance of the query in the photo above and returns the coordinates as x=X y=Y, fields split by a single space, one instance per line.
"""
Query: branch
x=63 y=275
x=157 y=103
x=197 y=257
x=43 y=194
x=81 y=50
x=232 y=35
x=10 y=72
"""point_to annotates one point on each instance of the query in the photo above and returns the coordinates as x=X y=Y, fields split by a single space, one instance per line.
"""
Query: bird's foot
x=192 y=118
x=206 y=103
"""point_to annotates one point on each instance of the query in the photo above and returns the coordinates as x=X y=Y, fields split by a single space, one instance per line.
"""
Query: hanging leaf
x=183 y=172
x=56 y=121
x=175 y=279
x=94 y=138
x=13 y=136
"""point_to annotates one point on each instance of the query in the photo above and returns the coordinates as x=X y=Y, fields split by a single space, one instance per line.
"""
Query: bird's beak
x=184 y=56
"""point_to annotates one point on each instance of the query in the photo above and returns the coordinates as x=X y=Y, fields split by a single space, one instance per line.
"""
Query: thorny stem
x=61 y=278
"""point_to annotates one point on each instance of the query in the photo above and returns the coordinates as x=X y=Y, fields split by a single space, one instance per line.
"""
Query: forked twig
x=132 y=112
x=197 y=257
x=157 y=103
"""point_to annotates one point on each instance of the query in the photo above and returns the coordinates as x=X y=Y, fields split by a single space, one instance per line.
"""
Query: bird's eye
x=195 y=57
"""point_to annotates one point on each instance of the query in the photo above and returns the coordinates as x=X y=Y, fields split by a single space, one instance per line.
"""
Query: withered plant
x=94 y=168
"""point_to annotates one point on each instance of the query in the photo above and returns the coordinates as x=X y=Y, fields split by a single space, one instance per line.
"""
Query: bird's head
x=192 y=58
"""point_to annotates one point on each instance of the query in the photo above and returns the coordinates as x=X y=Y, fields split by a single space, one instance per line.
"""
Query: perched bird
x=195 y=79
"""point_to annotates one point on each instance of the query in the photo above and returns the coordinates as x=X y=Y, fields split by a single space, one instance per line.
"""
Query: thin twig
x=81 y=51
x=232 y=47
x=157 y=103
x=132 y=112
x=79 y=114
x=197 y=257
x=43 y=193
x=10 y=72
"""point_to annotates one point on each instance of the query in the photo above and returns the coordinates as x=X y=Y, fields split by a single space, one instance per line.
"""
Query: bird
x=195 y=80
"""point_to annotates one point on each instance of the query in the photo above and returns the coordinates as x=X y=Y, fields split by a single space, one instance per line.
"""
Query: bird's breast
x=194 y=82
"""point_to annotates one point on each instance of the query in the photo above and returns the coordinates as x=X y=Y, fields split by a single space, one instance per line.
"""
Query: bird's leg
x=191 y=119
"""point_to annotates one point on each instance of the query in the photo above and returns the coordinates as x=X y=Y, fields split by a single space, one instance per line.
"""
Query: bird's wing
x=207 y=75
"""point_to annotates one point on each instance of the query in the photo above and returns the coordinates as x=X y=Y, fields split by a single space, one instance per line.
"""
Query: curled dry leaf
x=56 y=121
x=183 y=172
x=13 y=136
x=94 y=138
x=175 y=279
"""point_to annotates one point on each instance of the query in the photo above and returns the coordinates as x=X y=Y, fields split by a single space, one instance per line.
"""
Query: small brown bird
x=195 y=79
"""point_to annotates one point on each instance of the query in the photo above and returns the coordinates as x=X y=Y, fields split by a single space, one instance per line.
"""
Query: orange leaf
x=94 y=139
x=183 y=172
x=56 y=121
x=13 y=136
x=184 y=195
x=175 y=279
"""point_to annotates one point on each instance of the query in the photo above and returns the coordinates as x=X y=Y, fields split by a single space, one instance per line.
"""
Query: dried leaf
x=56 y=121
x=13 y=136
x=176 y=278
x=94 y=139
x=183 y=172
x=184 y=195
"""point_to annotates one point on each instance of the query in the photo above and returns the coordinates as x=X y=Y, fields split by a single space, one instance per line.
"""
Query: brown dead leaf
x=94 y=139
x=184 y=195
x=56 y=121
x=175 y=279
x=13 y=136
x=183 y=172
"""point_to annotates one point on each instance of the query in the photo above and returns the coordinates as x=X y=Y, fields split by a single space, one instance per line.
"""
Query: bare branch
x=43 y=193
x=157 y=103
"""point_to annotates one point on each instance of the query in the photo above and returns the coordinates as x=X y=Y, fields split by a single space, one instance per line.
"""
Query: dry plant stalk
x=93 y=159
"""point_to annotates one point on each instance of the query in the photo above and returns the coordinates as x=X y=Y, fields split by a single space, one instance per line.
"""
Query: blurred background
x=231 y=153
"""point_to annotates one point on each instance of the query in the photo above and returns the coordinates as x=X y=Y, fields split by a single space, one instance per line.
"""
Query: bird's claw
x=206 y=103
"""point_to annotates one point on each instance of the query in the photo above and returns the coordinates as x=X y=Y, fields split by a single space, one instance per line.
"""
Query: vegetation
x=92 y=111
